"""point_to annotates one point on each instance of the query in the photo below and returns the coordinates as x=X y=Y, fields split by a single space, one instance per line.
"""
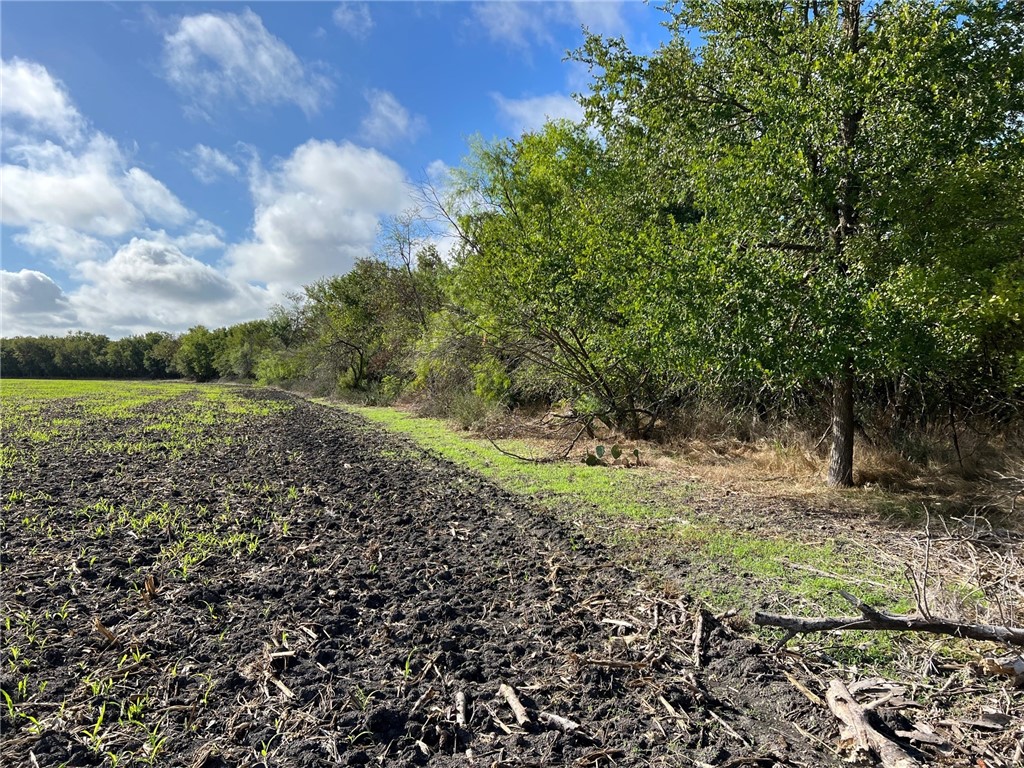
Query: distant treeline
x=199 y=354
x=88 y=356
x=813 y=214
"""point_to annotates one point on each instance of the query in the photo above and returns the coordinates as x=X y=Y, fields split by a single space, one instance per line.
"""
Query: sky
x=173 y=164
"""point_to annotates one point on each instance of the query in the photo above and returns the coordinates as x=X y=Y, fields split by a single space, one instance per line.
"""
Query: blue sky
x=170 y=164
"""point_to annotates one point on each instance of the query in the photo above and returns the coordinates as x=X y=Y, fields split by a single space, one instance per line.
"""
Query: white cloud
x=31 y=94
x=603 y=17
x=55 y=186
x=154 y=199
x=438 y=172
x=209 y=164
x=214 y=57
x=515 y=24
x=74 y=196
x=354 y=18
x=316 y=213
x=203 y=236
x=90 y=191
x=32 y=304
x=69 y=245
x=388 y=121
x=523 y=24
x=155 y=269
x=530 y=114
x=151 y=284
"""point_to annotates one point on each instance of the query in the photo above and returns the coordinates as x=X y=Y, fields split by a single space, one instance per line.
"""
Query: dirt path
x=349 y=595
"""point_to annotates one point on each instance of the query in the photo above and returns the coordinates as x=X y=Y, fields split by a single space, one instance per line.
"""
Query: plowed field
x=212 y=576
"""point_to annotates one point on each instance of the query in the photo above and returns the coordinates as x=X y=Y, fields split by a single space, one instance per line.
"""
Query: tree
x=244 y=344
x=807 y=136
x=80 y=355
x=158 y=361
x=197 y=350
x=557 y=270
x=125 y=358
x=405 y=244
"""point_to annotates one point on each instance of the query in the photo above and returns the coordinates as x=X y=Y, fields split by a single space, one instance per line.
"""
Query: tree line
x=793 y=210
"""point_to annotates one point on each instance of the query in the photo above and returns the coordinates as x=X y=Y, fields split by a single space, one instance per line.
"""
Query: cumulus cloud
x=75 y=199
x=209 y=164
x=152 y=284
x=150 y=268
x=603 y=17
x=32 y=304
x=80 y=191
x=354 y=18
x=90 y=191
x=388 y=121
x=515 y=24
x=316 y=213
x=523 y=24
x=202 y=236
x=213 y=57
x=68 y=245
x=31 y=95
x=530 y=114
x=155 y=200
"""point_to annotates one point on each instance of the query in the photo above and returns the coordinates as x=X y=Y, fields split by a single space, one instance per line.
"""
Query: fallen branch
x=543 y=460
x=513 y=701
x=460 y=709
x=873 y=619
x=859 y=732
x=562 y=723
x=699 y=638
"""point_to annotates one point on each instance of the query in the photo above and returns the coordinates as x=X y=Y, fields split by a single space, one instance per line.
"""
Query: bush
x=275 y=368
x=469 y=409
x=384 y=392
x=491 y=382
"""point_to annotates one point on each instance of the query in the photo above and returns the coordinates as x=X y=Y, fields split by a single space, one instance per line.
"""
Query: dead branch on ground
x=872 y=619
x=545 y=459
x=860 y=734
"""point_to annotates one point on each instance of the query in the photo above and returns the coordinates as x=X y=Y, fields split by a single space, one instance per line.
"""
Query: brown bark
x=859 y=733
x=840 y=460
x=873 y=619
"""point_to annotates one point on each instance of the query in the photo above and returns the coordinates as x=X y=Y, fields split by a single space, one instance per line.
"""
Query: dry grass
x=784 y=461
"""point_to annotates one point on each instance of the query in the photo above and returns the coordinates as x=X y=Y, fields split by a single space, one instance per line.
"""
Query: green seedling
x=92 y=735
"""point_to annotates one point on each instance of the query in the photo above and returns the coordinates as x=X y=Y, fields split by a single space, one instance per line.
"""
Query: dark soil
x=385 y=586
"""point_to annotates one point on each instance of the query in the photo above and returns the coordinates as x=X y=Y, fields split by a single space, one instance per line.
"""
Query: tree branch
x=872 y=619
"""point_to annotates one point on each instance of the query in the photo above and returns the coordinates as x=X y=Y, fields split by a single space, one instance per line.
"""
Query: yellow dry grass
x=791 y=464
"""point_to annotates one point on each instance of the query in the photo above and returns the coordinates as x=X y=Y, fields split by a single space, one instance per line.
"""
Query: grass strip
x=643 y=514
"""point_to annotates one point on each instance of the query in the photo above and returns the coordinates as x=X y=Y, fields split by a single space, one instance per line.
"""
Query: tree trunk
x=840 y=459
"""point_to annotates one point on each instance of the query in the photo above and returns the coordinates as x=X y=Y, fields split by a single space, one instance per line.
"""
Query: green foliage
x=275 y=368
x=844 y=186
x=364 y=325
x=491 y=381
x=244 y=344
x=88 y=355
x=384 y=392
x=443 y=358
x=557 y=270
x=197 y=352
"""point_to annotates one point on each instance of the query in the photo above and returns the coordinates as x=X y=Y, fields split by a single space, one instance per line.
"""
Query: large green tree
x=852 y=166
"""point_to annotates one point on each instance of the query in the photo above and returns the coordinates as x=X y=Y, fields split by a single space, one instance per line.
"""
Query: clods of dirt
x=304 y=590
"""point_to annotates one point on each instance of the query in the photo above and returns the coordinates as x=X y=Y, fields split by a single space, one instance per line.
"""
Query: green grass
x=612 y=491
x=172 y=418
x=643 y=513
